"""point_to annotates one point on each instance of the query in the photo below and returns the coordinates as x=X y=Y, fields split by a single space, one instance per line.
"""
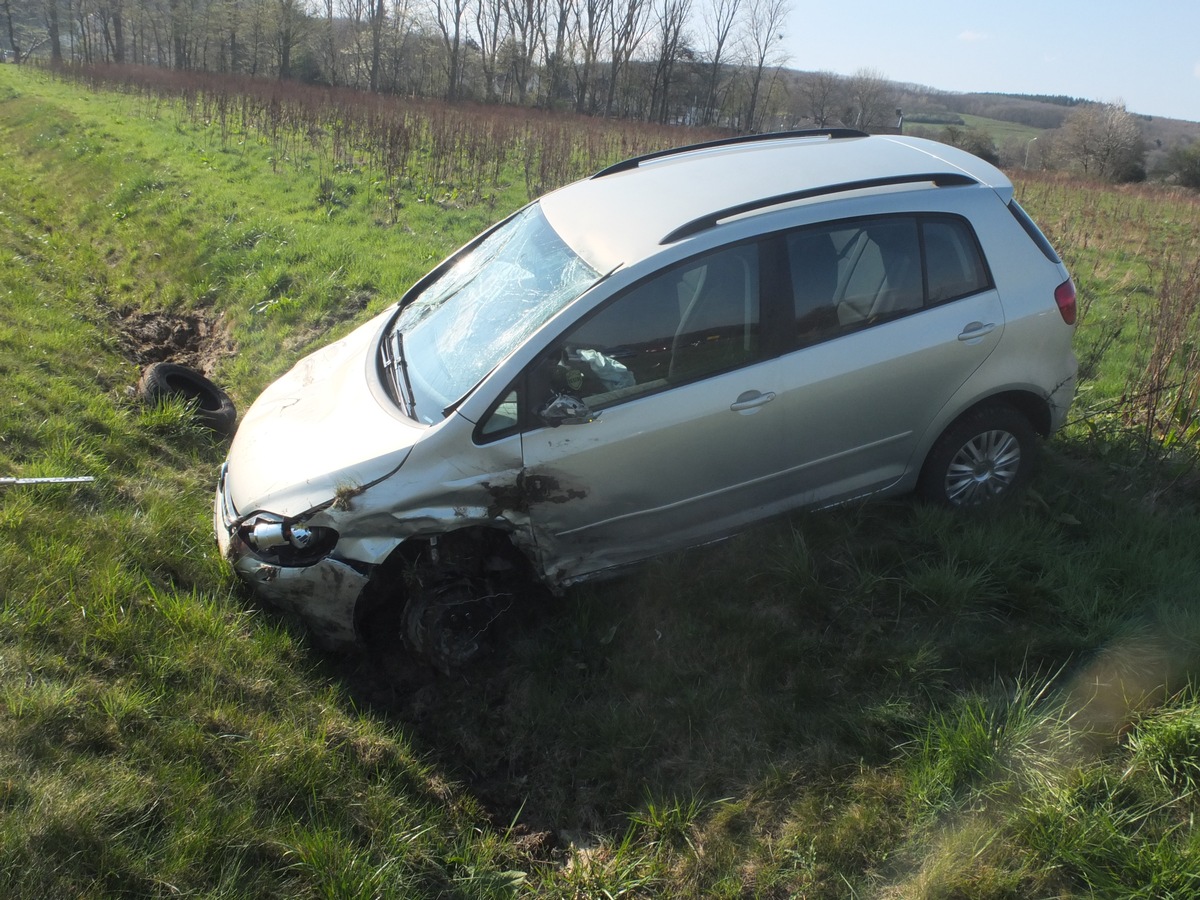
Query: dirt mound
x=190 y=339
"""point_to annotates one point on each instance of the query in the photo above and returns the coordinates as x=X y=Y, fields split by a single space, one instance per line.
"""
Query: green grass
x=1003 y=132
x=883 y=701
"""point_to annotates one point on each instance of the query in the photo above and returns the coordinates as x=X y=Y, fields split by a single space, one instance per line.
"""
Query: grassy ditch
x=883 y=701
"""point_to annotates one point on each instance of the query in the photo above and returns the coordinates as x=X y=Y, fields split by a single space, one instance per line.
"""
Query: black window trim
x=1035 y=233
x=479 y=437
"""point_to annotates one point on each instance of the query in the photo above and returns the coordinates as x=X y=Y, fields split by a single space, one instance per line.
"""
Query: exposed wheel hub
x=448 y=623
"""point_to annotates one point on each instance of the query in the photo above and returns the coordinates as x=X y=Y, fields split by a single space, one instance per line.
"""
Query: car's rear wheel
x=982 y=459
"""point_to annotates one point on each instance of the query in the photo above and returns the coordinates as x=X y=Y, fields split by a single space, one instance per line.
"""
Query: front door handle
x=976 y=330
x=748 y=401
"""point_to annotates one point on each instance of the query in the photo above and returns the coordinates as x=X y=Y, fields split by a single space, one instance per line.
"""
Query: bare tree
x=50 y=8
x=290 y=24
x=258 y=17
x=490 y=19
x=526 y=24
x=671 y=16
x=822 y=94
x=180 y=23
x=762 y=36
x=627 y=28
x=229 y=39
x=367 y=20
x=377 y=19
x=109 y=17
x=331 y=47
x=871 y=99
x=353 y=21
x=12 y=34
x=719 y=19
x=81 y=33
x=449 y=15
x=396 y=67
x=558 y=12
x=589 y=33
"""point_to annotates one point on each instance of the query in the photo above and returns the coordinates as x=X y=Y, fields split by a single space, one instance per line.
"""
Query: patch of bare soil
x=191 y=339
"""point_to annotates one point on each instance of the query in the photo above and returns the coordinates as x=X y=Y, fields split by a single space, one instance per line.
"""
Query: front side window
x=692 y=321
x=470 y=318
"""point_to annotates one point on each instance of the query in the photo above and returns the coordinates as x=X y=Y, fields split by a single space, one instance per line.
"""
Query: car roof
x=628 y=212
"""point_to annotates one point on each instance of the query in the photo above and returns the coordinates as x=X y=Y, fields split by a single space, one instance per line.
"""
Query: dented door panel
x=656 y=473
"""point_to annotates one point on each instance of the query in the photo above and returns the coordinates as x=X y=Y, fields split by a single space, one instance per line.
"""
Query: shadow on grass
x=803 y=650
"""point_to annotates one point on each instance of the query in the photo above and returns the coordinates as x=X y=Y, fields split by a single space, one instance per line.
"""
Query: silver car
x=655 y=357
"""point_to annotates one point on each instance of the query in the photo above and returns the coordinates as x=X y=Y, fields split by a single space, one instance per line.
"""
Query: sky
x=1145 y=54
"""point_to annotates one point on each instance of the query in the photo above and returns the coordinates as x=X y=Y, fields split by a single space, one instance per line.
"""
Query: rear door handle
x=751 y=400
x=976 y=330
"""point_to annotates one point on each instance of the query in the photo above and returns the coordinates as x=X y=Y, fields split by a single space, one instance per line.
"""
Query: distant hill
x=1011 y=121
x=1031 y=111
x=927 y=105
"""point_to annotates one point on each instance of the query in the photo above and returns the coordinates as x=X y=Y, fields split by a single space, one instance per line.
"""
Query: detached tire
x=981 y=460
x=213 y=407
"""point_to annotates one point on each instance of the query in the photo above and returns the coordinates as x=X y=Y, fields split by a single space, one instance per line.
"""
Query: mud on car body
x=655 y=357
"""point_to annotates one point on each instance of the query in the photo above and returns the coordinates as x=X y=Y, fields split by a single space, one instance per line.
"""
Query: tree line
x=703 y=62
x=713 y=63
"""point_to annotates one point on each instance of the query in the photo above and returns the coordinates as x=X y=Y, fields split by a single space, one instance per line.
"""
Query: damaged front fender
x=323 y=595
x=391 y=519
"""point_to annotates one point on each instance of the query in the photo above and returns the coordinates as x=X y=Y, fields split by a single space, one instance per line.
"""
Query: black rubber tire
x=214 y=409
x=983 y=459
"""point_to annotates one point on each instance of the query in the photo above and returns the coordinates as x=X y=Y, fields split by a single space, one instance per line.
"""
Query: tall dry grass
x=465 y=150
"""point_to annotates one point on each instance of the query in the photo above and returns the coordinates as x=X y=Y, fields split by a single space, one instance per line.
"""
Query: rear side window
x=1035 y=233
x=851 y=275
x=953 y=265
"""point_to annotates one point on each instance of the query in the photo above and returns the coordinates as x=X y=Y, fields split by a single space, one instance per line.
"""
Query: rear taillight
x=1064 y=296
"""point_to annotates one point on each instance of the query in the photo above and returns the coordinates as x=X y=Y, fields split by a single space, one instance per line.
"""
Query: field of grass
x=880 y=701
x=1003 y=132
x=1010 y=141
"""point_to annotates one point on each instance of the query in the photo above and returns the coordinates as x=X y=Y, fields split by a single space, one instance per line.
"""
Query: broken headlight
x=287 y=543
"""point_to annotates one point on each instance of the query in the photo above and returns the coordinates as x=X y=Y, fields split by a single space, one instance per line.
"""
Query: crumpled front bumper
x=323 y=594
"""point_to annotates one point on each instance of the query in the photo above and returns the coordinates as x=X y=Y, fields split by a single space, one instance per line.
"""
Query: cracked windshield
x=483 y=308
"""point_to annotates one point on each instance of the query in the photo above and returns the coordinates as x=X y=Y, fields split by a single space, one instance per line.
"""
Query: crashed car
x=655 y=357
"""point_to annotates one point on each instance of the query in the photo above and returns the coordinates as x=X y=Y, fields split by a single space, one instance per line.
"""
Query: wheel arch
x=1034 y=408
x=483 y=547
x=1035 y=418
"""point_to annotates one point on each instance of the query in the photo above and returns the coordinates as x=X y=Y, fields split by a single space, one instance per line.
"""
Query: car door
x=684 y=441
x=893 y=314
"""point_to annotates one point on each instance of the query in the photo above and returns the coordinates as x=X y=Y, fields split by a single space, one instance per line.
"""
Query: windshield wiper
x=393 y=358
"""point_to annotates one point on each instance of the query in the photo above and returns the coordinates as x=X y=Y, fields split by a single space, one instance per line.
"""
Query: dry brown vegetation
x=407 y=144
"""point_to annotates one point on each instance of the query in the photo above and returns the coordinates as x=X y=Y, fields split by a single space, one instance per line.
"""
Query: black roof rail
x=635 y=161
x=705 y=222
